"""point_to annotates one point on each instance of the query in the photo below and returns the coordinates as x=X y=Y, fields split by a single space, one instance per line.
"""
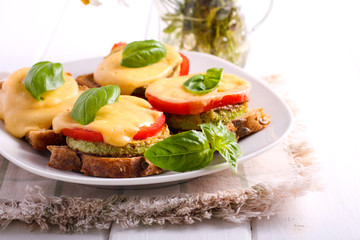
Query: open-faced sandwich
x=31 y=97
x=107 y=135
x=213 y=102
x=212 y=97
x=134 y=66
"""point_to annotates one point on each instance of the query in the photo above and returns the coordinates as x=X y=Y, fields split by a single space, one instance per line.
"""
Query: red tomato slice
x=82 y=134
x=197 y=107
x=184 y=67
x=93 y=136
x=118 y=45
x=149 y=131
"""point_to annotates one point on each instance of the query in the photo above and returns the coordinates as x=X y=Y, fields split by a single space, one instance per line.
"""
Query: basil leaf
x=195 y=84
x=90 y=102
x=142 y=53
x=181 y=152
x=43 y=77
x=202 y=84
x=213 y=77
x=223 y=141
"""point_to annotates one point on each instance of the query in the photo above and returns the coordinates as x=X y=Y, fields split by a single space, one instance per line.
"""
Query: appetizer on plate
x=211 y=97
x=101 y=133
x=31 y=97
x=107 y=135
x=134 y=66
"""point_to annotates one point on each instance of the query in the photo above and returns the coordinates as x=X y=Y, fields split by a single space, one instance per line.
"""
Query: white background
x=313 y=44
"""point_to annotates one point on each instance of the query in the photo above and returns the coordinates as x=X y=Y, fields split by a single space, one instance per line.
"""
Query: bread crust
x=64 y=158
x=40 y=139
x=252 y=121
x=87 y=80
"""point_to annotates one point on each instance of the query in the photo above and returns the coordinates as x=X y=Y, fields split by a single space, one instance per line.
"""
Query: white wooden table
x=315 y=45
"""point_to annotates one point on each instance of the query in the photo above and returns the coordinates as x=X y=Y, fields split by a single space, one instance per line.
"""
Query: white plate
x=20 y=153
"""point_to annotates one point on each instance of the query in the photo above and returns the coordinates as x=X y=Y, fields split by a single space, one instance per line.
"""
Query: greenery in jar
x=211 y=26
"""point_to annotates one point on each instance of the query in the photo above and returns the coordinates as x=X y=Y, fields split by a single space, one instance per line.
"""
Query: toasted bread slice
x=252 y=121
x=64 y=158
x=40 y=139
x=87 y=80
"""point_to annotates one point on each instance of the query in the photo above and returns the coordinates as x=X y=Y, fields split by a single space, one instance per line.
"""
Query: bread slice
x=87 y=80
x=40 y=139
x=64 y=158
x=252 y=121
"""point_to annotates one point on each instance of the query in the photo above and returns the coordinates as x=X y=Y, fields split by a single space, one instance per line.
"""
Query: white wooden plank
x=211 y=229
x=308 y=54
x=330 y=214
x=17 y=231
x=25 y=29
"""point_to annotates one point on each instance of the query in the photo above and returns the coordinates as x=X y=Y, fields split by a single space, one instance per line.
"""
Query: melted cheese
x=22 y=113
x=118 y=122
x=110 y=72
x=172 y=89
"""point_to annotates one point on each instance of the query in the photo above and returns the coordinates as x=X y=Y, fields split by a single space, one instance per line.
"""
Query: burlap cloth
x=259 y=190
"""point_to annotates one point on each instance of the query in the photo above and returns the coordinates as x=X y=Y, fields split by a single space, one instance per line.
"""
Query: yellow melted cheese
x=117 y=122
x=110 y=72
x=22 y=113
x=172 y=89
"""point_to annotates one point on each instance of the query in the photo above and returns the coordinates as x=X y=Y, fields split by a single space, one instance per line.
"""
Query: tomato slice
x=83 y=134
x=184 y=67
x=197 y=107
x=153 y=129
x=118 y=45
x=93 y=136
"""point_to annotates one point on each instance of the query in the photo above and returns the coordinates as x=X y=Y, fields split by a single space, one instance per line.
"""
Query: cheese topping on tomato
x=117 y=122
x=173 y=92
x=22 y=113
x=110 y=72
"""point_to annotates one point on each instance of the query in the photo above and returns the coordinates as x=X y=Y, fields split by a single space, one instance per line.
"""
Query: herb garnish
x=90 y=102
x=202 y=84
x=43 y=77
x=193 y=150
x=142 y=53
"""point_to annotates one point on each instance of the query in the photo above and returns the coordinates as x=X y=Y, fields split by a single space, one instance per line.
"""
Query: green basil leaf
x=223 y=141
x=202 y=84
x=90 y=102
x=213 y=77
x=181 y=152
x=142 y=53
x=43 y=77
x=195 y=83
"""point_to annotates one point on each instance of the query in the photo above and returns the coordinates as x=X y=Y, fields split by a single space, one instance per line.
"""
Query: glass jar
x=212 y=26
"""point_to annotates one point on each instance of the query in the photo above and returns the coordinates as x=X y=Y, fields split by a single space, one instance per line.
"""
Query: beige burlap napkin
x=259 y=190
